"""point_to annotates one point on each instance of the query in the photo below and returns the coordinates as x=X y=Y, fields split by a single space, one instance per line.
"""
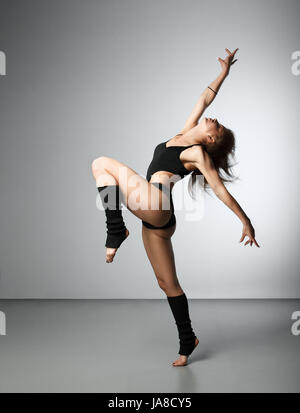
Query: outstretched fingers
x=231 y=53
x=231 y=56
x=250 y=241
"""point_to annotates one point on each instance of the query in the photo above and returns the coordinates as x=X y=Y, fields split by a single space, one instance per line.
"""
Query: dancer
x=200 y=148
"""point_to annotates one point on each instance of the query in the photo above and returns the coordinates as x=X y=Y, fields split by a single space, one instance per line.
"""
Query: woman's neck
x=193 y=136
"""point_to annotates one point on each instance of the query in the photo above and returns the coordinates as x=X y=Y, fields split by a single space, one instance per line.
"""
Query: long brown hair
x=220 y=153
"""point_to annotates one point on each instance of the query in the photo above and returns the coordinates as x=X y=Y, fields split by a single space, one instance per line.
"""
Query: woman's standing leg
x=159 y=250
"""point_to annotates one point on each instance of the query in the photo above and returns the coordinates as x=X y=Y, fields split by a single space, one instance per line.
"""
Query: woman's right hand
x=249 y=231
x=228 y=61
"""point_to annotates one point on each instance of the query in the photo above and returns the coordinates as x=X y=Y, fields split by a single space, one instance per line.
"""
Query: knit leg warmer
x=180 y=310
x=116 y=229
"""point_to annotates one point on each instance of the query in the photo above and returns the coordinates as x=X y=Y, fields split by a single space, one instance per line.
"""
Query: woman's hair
x=220 y=153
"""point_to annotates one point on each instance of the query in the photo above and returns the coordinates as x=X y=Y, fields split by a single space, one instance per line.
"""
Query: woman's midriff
x=166 y=178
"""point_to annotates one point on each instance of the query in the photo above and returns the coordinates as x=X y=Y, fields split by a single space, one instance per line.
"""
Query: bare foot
x=182 y=361
x=111 y=252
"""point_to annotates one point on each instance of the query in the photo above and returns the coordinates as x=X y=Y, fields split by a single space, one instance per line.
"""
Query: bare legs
x=143 y=199
x=159 y=250
x=107 y=171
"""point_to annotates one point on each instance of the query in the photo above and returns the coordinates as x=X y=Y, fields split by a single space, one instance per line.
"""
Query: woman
x=201 y=148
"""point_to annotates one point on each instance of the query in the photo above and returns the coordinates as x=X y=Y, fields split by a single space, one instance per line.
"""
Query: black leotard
x=167 y=159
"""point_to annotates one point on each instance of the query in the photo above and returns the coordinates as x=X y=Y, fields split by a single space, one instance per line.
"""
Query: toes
x=109 y=257
x=179 y=363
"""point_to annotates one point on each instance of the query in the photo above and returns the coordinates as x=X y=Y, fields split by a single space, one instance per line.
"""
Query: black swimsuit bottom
x=172 y=220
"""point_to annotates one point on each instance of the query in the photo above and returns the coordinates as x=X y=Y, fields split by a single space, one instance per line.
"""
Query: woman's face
x=211 y=128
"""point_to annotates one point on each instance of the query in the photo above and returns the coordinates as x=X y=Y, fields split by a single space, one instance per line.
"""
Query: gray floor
x=129 y=345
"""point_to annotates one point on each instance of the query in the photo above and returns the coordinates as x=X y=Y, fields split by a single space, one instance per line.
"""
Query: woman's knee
x=169 y=287
x=162 y=284
x=99 y=164
x=102 y=170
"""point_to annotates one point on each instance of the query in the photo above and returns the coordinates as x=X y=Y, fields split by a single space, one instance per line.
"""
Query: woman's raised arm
x=209 y=94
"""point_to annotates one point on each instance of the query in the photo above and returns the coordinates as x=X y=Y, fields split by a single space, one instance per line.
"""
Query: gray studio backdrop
x=115 y=78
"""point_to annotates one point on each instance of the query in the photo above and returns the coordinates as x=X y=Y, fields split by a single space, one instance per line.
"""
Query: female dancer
x=201 y=148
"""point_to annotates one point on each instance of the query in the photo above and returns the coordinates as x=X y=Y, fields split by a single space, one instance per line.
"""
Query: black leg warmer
x=110 y=197
x=180 y=310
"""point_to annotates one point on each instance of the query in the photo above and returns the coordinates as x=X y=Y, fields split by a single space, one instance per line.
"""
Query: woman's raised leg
x=143 y=199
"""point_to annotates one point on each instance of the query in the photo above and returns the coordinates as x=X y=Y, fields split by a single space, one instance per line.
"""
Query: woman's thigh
x=143 y=199
x=160 y=252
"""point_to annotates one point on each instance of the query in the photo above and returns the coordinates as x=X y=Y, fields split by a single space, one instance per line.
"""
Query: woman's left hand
x=228 y=61
x=249 y=231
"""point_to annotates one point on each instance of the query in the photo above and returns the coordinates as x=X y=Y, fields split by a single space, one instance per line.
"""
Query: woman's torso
x=168 y=162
